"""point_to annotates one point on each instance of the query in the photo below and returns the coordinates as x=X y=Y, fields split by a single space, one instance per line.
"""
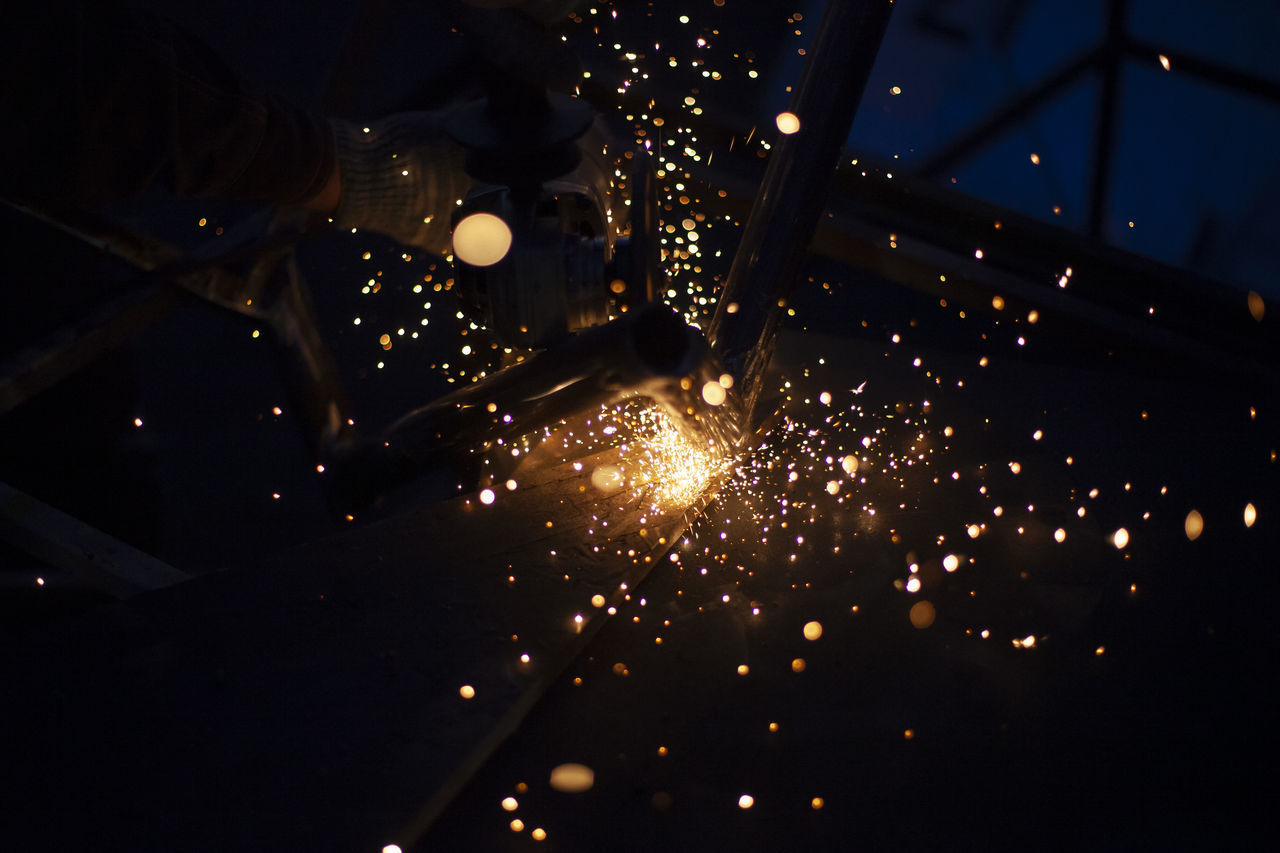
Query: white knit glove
x=401 y=176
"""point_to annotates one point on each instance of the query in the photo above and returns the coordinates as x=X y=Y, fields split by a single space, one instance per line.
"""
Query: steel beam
x=76 y=345
x=790 y=199
x=63 y=542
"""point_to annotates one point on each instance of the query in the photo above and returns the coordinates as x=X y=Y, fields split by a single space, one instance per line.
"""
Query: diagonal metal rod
x=791 y=197
x=1108 y=116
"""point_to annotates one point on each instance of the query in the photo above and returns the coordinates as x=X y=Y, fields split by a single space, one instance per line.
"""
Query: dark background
x=1165 y=740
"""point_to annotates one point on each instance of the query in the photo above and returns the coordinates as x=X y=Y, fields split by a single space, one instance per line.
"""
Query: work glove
x=404 y=176
x=401 y=176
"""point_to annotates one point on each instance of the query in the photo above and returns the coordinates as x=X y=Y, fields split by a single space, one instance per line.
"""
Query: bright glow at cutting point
x=481 y=239
x=664 y=466
x=788 y=123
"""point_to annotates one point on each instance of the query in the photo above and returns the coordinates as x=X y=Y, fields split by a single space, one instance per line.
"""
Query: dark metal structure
x=1104 y=60
x=794 y=190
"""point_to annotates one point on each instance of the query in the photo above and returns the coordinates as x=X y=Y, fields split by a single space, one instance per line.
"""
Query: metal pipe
x=648 y=353
x=1108 y=116
x=791 y=197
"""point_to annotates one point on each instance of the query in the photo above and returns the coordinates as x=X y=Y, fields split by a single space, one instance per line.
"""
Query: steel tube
x=648 y=353
x=794 y=191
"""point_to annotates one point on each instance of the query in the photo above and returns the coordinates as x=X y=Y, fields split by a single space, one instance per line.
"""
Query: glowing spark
x=487 y=496
x=1250 y=515
x=1257 y=307
x=466 y=691
x=922 y=614
x=510 y=804
x=607 y=478
x=812 y=630
x=746 y=801
x=481 y=239
x=788 y=123
x=665 y=465
x=573 y=778
x=713 y=392
x=1120 y=538
x=1194 y=525
x=1164 y=62
x=951 y=562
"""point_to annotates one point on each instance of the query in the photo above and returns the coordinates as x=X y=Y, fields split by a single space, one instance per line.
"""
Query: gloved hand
x=401 y=176
x=404 y=177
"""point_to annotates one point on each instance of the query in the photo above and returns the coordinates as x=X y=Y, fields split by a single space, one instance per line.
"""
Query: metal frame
x=1107 y=60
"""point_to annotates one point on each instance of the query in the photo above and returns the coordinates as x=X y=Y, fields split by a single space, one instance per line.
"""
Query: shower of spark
x=664 y=466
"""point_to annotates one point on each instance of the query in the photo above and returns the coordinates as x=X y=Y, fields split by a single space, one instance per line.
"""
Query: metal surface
x=791 y=197
x=99 y=561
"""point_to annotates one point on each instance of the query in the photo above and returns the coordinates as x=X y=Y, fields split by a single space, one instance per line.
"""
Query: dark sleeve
x=97 y=103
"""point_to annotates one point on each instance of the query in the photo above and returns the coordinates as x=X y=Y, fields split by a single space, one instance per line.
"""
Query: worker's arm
x=100 y=102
